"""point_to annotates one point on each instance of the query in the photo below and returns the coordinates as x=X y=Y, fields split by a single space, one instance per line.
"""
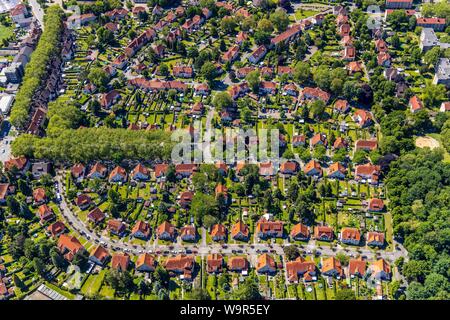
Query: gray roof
x=443 y=69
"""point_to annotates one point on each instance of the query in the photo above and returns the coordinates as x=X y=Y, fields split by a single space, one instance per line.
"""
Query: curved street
x=251 y=249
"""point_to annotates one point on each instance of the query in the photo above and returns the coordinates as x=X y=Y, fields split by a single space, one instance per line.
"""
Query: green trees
x=208 y=71
x=280 y=20
x=253 y=79
x=95 y=144
x=418 y=191
x=98 y=77
x=345 y=294
x=222 y=100
x=35 y=72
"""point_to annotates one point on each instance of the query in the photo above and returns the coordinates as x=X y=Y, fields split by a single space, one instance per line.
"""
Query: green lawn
x=6 y=32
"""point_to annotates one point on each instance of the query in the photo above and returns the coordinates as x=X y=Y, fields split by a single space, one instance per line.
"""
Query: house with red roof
x=120 y=261
x=301 y=269
x=257 y=54
x=46 y=214
x=56 y=229
x=313 y=168
x=116 y=227
x=368 y=172
x=375 y=205
x=240 y=231
x=331 y=267
x=188 y=233
x=110 y=98
x=39 y=196
x=375 y=239
x=140 y=173
x=337 y=171
x=166 y=231
x=69 y=246
x=300 y=232
x=96 y=215
x=118 y=174
x=182 y=265
x=266 y=264
x=214 y=263
x=269 y=229
x=323 y=233
x=145 y=263
x=218 y=232
x=99 y=255
x=238 y=264
x=357 y=268
x=98 y=171
x=350 y=236
x=415 y=104
x=141 y=230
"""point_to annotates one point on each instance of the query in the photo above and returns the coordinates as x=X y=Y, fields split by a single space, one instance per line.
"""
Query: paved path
x=38 y=12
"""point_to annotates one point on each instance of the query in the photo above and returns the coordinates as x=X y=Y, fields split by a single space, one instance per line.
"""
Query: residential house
x=300 y=268
x=56 y=229
x=300 y=232
x=350 y=236
x=166 y=231
x=257 y=54
x=399 y=4
x=363 y=118
x=78 y=171
x=140 y=173
x=96 y=215
x=116 y=227
x=240 y=231
x=186 y=199
x=120 y=262
x=269 y=229
x=368 y=172
x=445 y=106
x=231 y=55
x=289 y=167
x=182 y=265
x=287 y=36
x=214 y=263
x=141 y=230
x=218 y=232
x=6 y=189
x=46 y=214
x=331 y=267
x=341 y=106
x=238 y=264
x=380 y=270
x=298 y=140
x=309 y=93
x=375 y=205
x=145 y=263
x=83 y=201
x=98 y=171
x=69 y=246
x=367 y=145
x=323 y=233
x=39 y=196
x=357 y=268
x=437 y=24
x=266 y=264
x=20 y=164
x=100 y=255
x=110 y=98
x=442 y=72
x=183 y=71
x=337 y=171
x=415 y=104
x=313 y=168
x=188 y=233
x=375 y=239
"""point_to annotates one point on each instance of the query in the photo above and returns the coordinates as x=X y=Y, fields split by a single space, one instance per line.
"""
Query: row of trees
x=36 y=70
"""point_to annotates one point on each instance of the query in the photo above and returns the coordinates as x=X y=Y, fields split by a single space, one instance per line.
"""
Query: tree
x=222 y=100
x=345 y=294
x=209 y=71
x=280 y=20
x=302 y=72
x=265 y=25
x=198 y=294
x=318 y=109
x=431 y=57
x=228 y=25
x=291 y=252
x=253 y=79
x=163 y=70
x=248 y=291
